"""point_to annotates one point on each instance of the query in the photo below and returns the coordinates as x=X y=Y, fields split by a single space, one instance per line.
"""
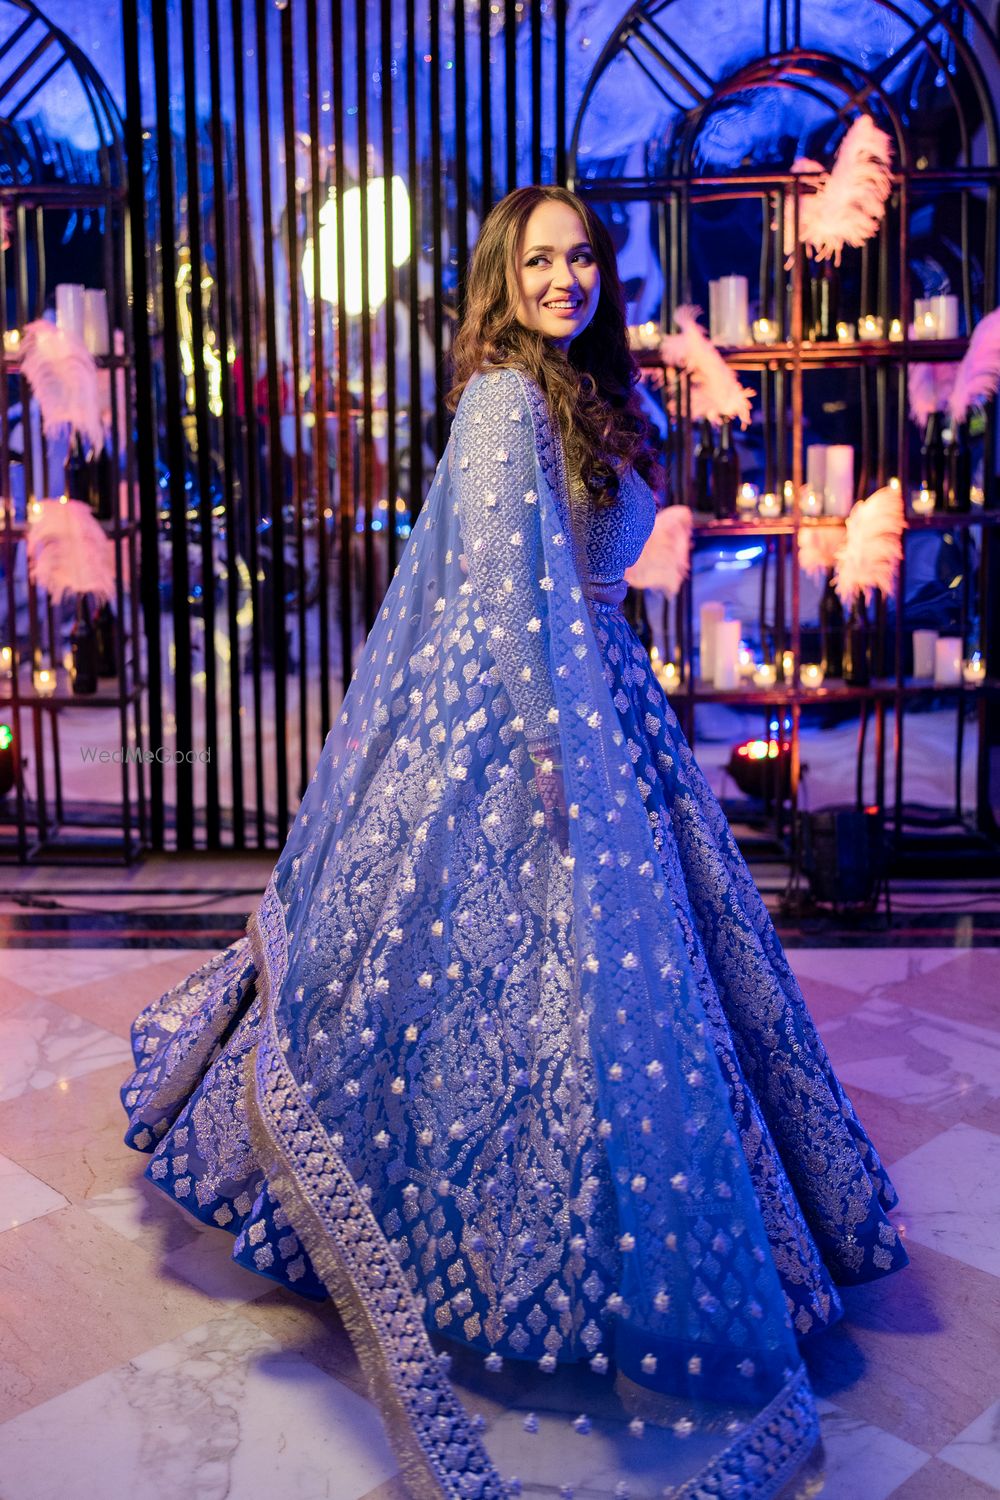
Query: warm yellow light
x=377 y=277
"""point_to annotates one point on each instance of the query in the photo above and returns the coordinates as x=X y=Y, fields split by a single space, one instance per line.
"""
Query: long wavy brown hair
x=591 y=389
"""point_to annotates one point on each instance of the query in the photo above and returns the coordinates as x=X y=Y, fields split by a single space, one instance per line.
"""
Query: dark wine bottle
x=725 y=474
x=102 y=485
x=857 y=645
x=957 y=468
x=107 y=642
x=78 y=472
x=932 y=458
x=703 y=455
x=83 y=649
x=831 y=629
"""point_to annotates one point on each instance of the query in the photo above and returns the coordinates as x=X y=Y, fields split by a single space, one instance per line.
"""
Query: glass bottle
x=83 y=649
x=725 y=474
x=831 y=629
x=932 y=458
x=703 y=454
x=957 y=468
x=76 y=472
x=107 y=641
x=857 y=645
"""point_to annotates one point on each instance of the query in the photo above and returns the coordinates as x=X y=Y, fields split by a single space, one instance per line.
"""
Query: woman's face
x=557 y=274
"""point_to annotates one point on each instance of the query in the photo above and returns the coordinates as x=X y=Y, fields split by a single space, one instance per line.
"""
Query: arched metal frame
x=845 y=88
x=39 y=179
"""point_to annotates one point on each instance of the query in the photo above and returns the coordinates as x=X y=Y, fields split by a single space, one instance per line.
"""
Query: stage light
x=761 y=767
x=377 y=279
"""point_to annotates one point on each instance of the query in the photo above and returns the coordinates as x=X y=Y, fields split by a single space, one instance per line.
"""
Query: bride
x=510 y=1062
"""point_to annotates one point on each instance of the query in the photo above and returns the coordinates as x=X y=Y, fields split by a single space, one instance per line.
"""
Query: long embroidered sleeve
x=495 y=476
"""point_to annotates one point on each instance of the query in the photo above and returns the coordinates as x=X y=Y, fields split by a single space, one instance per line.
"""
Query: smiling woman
x=560 y=283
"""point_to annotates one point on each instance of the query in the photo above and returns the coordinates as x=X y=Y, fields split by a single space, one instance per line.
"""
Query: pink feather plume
x=716 y=393
x=819 y=547
x=978 y=375
x=666 y=558
x=849 y=202
x=929 y=386
x=870 y=556
x=69 y=551
x=63 y=377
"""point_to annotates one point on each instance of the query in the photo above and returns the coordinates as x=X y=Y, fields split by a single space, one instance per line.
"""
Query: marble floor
x=136 y=1359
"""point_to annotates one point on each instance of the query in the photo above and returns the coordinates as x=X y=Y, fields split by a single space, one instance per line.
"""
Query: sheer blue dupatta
x=485 y=1092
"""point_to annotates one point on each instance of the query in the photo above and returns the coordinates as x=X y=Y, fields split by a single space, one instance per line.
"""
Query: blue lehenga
x=554 y=1101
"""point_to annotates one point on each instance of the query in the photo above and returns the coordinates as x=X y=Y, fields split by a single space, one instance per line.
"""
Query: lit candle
x=924 y=319
x=12 y=340
x=766 y=675
x=746 y=500
x=765 y=331
x=870 y=327
x=670 y=677
x=977 y=495
x=974 y=670
x=788 y=665
x=947 y=660
x=746 y=661
x=845 y=333
x=6 y=661
x=896 y=331
x=922 y=501
x=45 y=682
x=811 y=674
x=811 y=503
x=769 y=507
x=788 y=494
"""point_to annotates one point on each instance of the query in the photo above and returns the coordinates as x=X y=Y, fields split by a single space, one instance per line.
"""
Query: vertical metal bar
x=386 y=71
x=367 y=466
x=486 y=108
x=145 y=428
x=535 y=16
x=461 y=157
x=251 y=486
x=219 y=203
x=294 y=311
x=275 y=468
x=560 y=103
x=345 y=464
x=321 y=461
x=510 y=88
x=202 y=433
x=437 y=222
x=174 y=434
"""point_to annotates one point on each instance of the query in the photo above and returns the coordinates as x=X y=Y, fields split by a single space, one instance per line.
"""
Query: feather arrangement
x=666 y=558
x=978 y=376
x=870 y=556
x=930 y=387
x=818 y=175
x=69 y=552
x=716 y=393
x=819 y=547
x=849 y=201
x=63 y=377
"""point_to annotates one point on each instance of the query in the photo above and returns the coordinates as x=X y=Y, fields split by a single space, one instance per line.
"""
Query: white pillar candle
x=945 y=310
x=924 y=320
x=734 y=308
x=726 y=666
x=715 y=329
x=709 y=617
x=948 y=660
x=924 y=642
x=816 y=467
x=95 y=320
x=839 y=486
x=69 y=307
